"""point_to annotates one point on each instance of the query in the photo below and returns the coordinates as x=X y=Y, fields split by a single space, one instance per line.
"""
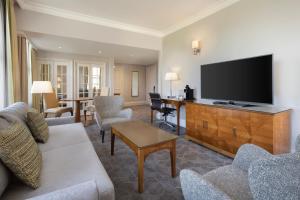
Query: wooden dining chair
x=53 y=106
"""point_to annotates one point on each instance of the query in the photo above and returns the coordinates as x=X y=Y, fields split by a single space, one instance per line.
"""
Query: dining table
x=77 y=105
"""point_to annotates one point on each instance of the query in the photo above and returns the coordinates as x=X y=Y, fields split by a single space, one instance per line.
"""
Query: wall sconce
x=196 y=47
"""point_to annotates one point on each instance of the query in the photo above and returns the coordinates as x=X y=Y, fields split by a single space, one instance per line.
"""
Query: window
x=90 y=79
x=61 y=81
x=45 y=74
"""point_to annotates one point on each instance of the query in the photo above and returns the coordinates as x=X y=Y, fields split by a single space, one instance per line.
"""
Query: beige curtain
x=35 y=77
x=12 y=53
x=21 y=86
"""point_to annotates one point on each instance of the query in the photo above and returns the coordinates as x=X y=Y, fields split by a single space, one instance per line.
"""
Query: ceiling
x=157 y=17
x=121 y=54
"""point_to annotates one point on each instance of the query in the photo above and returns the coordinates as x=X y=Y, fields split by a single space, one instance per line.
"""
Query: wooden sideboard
x=225 y=129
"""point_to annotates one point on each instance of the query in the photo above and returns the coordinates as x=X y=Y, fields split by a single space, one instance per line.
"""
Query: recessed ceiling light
x=59 y=47
x=99 y=52
x=131 y=55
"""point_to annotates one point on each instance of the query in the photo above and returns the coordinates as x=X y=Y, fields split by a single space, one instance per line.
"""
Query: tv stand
x=232 y=103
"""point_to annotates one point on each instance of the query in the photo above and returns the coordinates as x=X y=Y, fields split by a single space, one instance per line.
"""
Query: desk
x=77 y=101
x=177 y=103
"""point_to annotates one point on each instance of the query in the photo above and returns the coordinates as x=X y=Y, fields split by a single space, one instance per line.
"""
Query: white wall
x=151 y=80
x=125 y=79
x=247 y=28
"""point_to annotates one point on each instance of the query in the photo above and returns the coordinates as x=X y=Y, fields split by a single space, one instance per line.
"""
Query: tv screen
x=247 y=80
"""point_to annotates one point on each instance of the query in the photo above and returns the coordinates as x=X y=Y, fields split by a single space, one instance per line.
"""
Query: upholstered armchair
x=254 y=174
x=109 y=110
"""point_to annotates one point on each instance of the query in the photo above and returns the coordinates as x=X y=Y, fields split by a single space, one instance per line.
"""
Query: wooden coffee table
x=144 y=139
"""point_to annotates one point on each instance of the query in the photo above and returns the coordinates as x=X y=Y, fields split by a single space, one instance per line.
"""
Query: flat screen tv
x=248 y=80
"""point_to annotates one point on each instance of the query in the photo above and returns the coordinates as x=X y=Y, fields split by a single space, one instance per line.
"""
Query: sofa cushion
x=4 y=178
x=20 y=153
x=38 y=126
x=64 y=135
x=65 y=167
x=18 y=110
x=231 y=180
x=276 y=178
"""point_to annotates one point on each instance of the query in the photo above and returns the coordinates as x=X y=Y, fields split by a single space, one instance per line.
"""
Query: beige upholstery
x=91 y=108
x=52 y=105
x=109 y=110
x=71 y=168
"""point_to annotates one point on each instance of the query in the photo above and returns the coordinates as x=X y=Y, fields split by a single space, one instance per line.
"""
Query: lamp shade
x=195 y=44
x=171 y=76
x=41 y=87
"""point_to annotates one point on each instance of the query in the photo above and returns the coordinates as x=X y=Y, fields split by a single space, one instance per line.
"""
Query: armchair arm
x=247 y=154
x=126 y=113
x=60 y=121
x=194 y=187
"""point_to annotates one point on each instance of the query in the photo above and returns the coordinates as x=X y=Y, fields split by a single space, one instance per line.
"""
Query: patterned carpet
x=158 y=183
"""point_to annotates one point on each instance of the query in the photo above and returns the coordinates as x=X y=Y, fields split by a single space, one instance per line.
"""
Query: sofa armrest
x=194 y=187
x=86 y=190
x=125 y=113
x=247 y=154
x=60 y=121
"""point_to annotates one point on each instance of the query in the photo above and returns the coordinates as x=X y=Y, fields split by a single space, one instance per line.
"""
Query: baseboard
x=136 y=103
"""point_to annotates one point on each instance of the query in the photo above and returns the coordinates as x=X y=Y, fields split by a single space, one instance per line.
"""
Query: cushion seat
x=64 y=135
x=228 y=179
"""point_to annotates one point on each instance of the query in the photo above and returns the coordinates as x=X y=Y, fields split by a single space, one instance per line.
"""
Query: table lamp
x=171 y=76
x=41 y=87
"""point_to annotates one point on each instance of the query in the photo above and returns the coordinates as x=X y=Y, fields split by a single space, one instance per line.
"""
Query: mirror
x=135 y=84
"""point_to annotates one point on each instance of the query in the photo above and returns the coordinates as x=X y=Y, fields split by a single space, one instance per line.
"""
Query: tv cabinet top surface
x=261 y=109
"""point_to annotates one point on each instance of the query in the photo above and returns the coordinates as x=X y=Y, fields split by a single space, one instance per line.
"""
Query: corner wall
x=246 y=29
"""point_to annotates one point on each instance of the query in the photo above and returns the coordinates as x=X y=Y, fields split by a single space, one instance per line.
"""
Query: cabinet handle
x=234 y=131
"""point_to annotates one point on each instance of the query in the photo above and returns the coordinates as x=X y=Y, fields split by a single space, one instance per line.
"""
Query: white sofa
x=71 y=168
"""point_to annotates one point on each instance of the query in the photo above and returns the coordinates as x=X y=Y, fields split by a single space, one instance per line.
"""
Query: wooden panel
x=224 y=129
x=262 y=130
x=234 y=129
x=281 y=134
x=207 y=124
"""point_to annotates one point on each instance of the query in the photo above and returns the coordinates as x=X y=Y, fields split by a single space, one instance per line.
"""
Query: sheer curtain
x=3 y=92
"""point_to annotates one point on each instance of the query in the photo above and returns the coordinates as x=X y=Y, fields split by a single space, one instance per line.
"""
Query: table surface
x=77 y=99
x=142 y=134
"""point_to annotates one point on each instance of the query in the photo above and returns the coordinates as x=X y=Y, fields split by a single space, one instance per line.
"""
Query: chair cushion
x=38 y=126
x=20 y=153
x=276 y=178
x=231 y=180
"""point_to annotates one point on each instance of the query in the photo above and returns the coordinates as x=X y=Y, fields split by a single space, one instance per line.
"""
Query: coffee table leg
x=141 y=160
x=173 y=158
x=112 y=144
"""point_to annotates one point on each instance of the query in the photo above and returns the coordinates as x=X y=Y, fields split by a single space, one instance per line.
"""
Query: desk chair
x=158 y=105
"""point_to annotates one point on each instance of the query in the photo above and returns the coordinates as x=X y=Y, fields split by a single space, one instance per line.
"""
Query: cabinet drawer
x=234 y=129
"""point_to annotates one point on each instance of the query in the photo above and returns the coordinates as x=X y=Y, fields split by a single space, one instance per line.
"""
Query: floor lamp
x=41 y=87
x=171 y=76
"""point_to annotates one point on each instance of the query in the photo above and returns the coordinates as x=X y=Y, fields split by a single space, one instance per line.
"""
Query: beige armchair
x=104 y=91
x=52 y=106
x=109 y=110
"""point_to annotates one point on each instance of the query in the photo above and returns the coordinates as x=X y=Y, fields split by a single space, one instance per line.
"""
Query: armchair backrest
x=108 y=106
x=51 y=100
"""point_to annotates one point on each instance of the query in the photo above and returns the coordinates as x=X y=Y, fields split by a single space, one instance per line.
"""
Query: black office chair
x=158 y=105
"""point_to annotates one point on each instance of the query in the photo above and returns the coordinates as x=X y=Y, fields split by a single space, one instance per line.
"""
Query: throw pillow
x=38 y=126
x=20 y=154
